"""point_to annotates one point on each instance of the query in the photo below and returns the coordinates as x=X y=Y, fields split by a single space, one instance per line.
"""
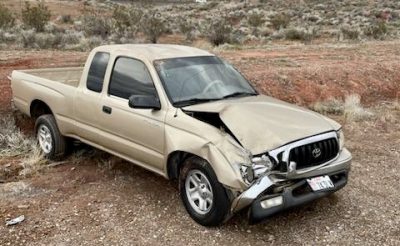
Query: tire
x=52 y=143
x=217 y=205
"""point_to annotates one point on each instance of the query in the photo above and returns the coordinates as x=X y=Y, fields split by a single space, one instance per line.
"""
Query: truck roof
x=155 y=51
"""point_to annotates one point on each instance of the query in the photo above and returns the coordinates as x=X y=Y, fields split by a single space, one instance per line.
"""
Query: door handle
x=107 y=109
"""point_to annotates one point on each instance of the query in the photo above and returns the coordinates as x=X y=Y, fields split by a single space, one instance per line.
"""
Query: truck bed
x=54 y=86
x=69 y=76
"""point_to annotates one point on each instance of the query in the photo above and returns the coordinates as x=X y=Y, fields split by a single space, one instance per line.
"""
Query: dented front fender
x=221 y=151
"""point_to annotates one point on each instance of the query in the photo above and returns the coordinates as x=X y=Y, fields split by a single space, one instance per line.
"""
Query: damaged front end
x=278 y=180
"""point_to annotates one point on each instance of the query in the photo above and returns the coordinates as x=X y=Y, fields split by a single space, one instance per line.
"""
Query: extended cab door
x=87 y=103
x=135 y=133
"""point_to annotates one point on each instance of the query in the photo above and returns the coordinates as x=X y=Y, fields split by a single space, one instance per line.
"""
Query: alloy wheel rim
x=199 y=192
x=45 y=139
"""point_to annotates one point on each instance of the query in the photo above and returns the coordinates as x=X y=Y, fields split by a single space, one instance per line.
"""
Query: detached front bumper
x=291 y=191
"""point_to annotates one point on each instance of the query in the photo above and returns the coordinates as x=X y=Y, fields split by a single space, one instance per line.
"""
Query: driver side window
x=130 y=77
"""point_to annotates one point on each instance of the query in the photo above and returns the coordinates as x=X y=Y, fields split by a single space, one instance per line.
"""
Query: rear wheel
x=204 y=198
x=52 y=143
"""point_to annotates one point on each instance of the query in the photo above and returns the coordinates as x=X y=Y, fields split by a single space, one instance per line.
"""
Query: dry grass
x=351 y=108
x=13 y=143
x=33 y=162
x=330 y=106
x=353 y=111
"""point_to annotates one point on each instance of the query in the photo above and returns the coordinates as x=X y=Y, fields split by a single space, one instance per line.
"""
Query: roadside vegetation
x=350 y=108
x=235 y=23
x=15 y=145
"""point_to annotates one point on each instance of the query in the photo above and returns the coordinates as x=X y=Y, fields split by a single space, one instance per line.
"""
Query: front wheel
x=204 y=198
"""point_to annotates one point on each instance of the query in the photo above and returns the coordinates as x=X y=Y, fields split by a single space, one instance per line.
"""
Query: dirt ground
x=104 y=200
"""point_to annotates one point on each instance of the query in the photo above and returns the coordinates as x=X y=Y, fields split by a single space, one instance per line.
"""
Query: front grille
x=314 y=154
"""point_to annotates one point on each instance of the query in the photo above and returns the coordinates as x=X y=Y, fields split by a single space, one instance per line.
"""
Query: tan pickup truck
x=185 y=114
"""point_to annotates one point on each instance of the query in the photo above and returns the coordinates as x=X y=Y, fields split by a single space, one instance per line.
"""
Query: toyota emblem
x=316 y=152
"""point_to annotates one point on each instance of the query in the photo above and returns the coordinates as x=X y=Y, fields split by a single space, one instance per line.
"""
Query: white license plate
x=320 y=183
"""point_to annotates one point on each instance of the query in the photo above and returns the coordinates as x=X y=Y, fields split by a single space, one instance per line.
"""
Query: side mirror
x=144 y=102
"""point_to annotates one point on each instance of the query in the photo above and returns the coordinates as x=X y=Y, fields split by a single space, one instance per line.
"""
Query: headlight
x=340 y=136
x=247 y=173
x=259 y=166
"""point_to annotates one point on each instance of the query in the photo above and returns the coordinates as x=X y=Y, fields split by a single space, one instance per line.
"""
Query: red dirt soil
x=307 y=74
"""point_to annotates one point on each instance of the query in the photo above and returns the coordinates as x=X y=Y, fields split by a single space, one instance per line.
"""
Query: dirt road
x=97 y=199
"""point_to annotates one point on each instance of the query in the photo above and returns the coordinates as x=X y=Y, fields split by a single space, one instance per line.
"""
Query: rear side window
x=130 y=77
x=97 y=71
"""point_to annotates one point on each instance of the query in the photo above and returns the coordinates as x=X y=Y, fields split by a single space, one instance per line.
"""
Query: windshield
x=194 y=80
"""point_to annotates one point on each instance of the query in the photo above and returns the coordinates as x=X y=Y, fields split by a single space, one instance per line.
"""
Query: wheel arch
x=175 y=161
x=39 y=108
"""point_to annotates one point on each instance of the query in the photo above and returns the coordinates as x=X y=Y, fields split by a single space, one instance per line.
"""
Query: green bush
x=255 y=20
x=208 y=6
x=66 y=19
x=377 y=30
x=6 y=17
x=186 y=27
x=36 y=17
x=218 y=32
x=153 y=26
x=349 y=32
x=127 y=19
x=280 y=21
x=300 y=34
x=96 y=23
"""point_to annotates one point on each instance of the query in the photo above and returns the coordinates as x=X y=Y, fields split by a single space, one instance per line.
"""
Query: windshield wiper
x=192 y=101
x=237 y=94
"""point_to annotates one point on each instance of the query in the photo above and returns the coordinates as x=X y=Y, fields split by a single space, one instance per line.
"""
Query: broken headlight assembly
x=259 y=166
x=340 y=137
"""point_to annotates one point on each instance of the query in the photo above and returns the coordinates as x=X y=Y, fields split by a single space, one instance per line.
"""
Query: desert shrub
x=153 y=26
x=7 y=36
x=126 y=19
x=48 y=40
x=329 y=106
x=66 y=19
x=71 y=37
x=348 y=32
x=280 y=21
x=218 y=31
x=208 y=6
x=52 y=28
x=96 y=23
x=6 y=17
x=266 y=32
x=353 y=109
x=12 y=141
x=36 y=17
x=84 y=44
x=255 y=19
x=34 y=40
x=28 y=38
x=186 y=27
x=300 y=34
x=377 y=30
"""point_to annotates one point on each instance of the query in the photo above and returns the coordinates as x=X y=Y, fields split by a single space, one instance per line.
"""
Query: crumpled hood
x=261 y=123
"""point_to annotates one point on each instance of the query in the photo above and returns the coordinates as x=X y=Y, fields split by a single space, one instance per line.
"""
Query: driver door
x=137 y=134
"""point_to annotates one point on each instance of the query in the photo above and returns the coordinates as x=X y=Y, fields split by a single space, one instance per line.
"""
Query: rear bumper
x=295 y=195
